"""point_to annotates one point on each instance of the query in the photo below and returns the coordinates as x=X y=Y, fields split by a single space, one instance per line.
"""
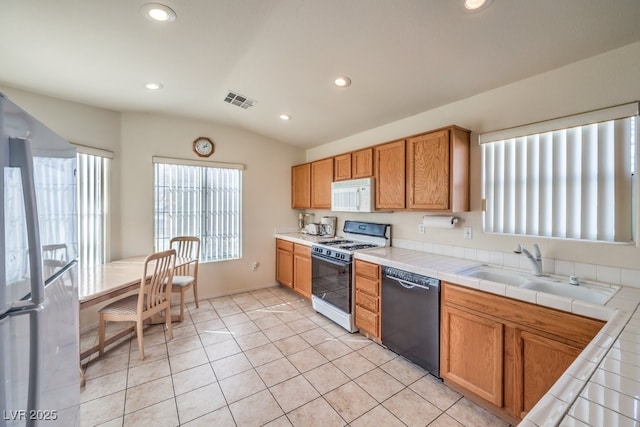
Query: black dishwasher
x=411 y=317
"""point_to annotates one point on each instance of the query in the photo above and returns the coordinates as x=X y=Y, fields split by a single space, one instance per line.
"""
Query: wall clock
x=203 y=147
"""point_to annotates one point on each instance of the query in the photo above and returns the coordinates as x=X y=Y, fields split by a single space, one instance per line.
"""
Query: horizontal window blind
x=572 y=182
x=199 y=201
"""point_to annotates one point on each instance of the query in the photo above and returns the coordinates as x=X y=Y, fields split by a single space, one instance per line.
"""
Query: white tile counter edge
x=602 y=364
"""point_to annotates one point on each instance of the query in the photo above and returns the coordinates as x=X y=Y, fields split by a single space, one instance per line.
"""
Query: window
x=200 y=199
x=93 y=178
x=569 y=178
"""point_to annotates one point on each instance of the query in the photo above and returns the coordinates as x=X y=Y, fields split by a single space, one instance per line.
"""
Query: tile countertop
x=600 y=388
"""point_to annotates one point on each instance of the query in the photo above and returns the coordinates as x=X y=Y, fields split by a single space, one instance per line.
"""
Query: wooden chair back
x=156 y=291
x=186 y=247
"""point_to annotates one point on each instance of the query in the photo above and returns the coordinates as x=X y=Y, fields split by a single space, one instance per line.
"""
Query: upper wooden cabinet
x=342 y=167
x=321 y=179
x=362 y=163
x=311 y=185
x=358 y=164
x=389 y=171
x=301 y=186
x=427 y=172
x=438 y=171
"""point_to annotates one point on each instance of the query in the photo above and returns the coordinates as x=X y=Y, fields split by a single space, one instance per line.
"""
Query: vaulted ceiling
x=403 y=56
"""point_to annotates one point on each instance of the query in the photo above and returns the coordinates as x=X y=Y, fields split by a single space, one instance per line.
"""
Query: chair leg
x=167 y=316
x=139 y=326
x=195 y=293
x=181 y=305
x=101 y=331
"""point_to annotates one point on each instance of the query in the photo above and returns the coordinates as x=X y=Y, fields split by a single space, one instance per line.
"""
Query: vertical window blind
x=571 y=177
x=200 y=199
x=93 y=179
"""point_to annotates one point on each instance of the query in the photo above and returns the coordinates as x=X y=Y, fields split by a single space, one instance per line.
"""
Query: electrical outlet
x=421 y=228
x=468 y=232
x=255 y=266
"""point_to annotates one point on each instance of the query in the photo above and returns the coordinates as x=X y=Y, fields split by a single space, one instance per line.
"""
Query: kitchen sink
x=585 y=292
x=497 y=275
x=582 y=292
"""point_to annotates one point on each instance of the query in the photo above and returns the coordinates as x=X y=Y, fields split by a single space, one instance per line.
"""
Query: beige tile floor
x=264 y=358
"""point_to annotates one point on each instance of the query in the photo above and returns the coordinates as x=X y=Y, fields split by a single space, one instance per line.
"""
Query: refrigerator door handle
x=20 y=157
x=35 y=363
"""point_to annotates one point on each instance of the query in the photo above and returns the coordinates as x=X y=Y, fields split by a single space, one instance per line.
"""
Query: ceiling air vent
x=239 y=100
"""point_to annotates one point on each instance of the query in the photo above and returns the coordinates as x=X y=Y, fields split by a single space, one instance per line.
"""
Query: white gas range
x=333 y=293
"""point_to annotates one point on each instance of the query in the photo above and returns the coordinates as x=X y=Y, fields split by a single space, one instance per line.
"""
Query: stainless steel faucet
x=536 y=258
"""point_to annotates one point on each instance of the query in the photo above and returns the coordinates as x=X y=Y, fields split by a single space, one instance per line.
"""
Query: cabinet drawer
x=368 y=302
x=302 y=250
x=284 y=245
x=367 y=321
x=367 y=269
x=368 y=286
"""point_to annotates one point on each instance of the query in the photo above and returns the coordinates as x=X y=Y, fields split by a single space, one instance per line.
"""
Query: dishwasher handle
x=407 y=285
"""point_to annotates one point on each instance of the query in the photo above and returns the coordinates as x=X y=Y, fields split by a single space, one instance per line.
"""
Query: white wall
x=601 y=81
x=265 y=200
x=135 y=138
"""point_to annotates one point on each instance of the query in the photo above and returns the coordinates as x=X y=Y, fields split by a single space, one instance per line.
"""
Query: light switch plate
x=468 y=232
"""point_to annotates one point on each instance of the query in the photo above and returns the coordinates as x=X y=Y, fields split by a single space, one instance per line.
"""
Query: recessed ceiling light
x=153 y=86
x=285 y=117
x=474 y=5
x=158 y=12
x=342 y=81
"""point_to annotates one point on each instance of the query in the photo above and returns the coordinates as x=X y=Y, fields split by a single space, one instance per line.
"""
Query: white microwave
x=355 y=195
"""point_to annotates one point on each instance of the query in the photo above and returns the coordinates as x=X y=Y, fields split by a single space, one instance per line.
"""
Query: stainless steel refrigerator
x=39 y=348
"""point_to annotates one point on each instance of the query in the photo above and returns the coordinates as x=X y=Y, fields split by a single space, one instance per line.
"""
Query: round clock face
x=203 y=147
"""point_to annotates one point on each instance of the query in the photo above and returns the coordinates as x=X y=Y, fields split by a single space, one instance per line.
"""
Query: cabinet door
x=342 y=167
x=302 y=270
x=389 y=168
x=362 y=163
x=321 y=179
x=428 y=170
x=301 y=186
x=471 y=353
x=540 y=361
x=284 y=262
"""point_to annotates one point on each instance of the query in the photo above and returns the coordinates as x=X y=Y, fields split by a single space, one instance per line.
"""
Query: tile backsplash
x=589 y=272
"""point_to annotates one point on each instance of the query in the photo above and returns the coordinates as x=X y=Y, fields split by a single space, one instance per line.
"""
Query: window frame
x=161 y=242
x=509 y=176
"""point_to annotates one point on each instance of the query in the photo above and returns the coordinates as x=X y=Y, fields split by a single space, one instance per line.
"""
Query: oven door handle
x=330 y=261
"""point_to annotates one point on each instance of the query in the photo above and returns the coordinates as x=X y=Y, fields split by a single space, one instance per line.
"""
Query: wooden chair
x=153 y=297
x=186 y=275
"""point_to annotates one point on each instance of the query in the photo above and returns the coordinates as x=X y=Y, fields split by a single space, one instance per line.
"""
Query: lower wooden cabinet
x=284 y=262
x=504 y=352
x=302 y=270
x=471 y=356
x=293 y=266
x=368 y=299
x=540 y=361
